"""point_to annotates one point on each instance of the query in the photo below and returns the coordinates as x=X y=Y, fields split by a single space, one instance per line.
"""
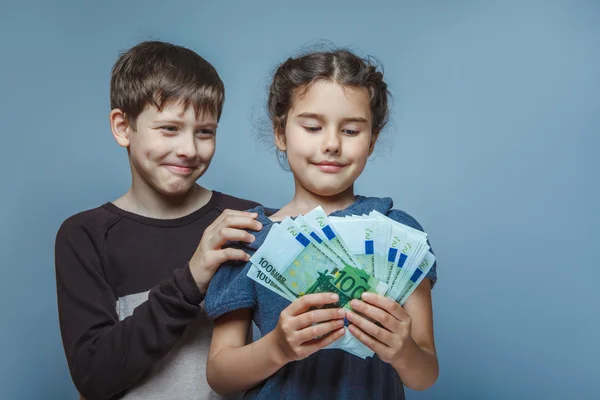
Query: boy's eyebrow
x=175 y=121
x=321 y=117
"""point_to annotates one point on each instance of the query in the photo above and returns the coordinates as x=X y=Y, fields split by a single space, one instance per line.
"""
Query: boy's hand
x=392 y=338
x=210 y=255
x=299 y=332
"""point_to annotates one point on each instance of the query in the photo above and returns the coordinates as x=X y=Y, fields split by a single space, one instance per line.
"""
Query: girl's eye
x=351 y=131
x=312 y=128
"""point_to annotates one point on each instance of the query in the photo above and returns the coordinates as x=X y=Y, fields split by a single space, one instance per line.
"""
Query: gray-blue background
x=493 y=148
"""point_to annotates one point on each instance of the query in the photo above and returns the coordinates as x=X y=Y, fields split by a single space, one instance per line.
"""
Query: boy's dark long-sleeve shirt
x=131 y=315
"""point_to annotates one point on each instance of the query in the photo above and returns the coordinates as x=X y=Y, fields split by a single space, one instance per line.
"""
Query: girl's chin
x=328 y=191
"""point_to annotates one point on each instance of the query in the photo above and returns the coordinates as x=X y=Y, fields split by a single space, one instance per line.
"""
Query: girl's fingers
x=318 y=330
x=316 y=300
x=367 y=340
x=317 y=316
x=317 y=344
x=387 y=320
x=369 y=327
x=387 y=304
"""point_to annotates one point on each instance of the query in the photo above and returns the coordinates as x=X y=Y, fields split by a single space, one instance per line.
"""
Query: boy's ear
x=119 y=124
x=374 y=137
x=280 y=139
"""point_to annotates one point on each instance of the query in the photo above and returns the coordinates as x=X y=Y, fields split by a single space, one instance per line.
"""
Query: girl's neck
x=304 y=201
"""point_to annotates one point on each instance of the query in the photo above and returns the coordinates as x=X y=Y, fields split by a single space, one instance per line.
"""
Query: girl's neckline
x=267 y=211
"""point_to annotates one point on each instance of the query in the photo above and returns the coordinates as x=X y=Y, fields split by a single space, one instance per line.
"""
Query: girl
x=327 y=109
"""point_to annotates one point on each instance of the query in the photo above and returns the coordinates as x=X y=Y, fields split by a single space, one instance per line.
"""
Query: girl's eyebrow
x=321 y=117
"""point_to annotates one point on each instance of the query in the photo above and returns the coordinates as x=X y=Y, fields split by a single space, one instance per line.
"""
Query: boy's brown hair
x=156 y=73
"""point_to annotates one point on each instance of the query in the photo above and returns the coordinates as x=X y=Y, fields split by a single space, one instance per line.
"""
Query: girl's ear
x=374 y=137
x=121 y=129
x=280 y=138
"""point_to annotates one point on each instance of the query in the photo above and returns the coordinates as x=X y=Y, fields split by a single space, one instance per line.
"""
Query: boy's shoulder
x=97 y=220
x=90 y=221
x=235 y=203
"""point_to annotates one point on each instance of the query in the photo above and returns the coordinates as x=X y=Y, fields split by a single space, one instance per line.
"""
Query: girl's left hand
x=392 y=338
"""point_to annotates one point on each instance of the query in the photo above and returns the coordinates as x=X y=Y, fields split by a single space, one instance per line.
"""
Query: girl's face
x=328 y=137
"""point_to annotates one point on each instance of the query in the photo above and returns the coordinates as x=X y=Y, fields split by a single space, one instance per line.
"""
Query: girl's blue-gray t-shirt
x=326 y=374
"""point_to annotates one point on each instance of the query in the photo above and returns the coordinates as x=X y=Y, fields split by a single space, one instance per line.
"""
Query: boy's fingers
x=315 y=331
x=235 y=235
x=231 y=214
x=240 y=222
x=231 y=254
x=311 y=300
x=317 y=316
x=228 y=212
x=219 y=235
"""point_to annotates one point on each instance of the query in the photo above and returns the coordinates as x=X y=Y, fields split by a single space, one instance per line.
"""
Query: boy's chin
x=175 y=190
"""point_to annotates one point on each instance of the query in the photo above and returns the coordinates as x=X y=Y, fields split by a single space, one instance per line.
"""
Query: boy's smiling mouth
x=180 y=169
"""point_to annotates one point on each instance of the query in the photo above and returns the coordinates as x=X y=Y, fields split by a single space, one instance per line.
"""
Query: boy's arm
x=105 y=355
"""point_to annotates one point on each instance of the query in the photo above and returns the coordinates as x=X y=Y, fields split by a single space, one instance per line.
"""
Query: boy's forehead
x=178 y=110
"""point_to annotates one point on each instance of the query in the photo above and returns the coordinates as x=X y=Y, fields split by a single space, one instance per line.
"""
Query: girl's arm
x=405 y=337
x=234 y=366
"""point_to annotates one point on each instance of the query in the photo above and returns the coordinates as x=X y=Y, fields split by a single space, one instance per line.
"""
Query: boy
x=131 y=274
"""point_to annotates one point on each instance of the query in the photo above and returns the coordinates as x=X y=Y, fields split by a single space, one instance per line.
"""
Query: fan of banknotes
x=314 y=253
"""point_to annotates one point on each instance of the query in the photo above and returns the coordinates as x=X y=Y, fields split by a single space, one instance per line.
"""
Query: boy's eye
x=206 y=132
x=312 y=128
x=169 y=129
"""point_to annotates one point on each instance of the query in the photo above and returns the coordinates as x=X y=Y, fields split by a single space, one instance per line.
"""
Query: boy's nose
x=186 y=146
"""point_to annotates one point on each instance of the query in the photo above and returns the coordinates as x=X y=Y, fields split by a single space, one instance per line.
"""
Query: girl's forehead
x=329 y=98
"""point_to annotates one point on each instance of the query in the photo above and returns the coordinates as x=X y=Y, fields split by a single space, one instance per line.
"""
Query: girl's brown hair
x=294 y=77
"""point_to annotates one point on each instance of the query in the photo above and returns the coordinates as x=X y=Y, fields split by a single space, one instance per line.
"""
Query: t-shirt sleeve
x=229 y=290
x=406 y=219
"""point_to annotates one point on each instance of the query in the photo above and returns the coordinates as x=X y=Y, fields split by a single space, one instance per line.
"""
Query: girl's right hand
x=299 y=332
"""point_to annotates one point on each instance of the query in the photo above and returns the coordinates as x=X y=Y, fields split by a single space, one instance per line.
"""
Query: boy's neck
x=305 y=201
x=154 y=205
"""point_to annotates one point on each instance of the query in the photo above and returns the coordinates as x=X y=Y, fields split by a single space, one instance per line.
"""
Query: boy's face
x=328 y=137
x=170 y=149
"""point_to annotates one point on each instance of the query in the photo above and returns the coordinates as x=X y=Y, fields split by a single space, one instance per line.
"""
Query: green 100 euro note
x=298 y=266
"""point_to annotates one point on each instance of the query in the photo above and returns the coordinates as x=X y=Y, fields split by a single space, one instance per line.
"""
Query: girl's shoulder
x=404 y=218
x=383 y=205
